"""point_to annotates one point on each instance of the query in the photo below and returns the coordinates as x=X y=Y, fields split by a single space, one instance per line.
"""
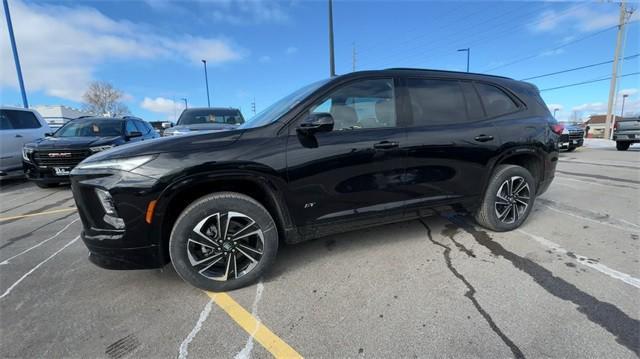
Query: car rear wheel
x=46 y=185
x=223 y=241
x=508 y=199
x=622 y=146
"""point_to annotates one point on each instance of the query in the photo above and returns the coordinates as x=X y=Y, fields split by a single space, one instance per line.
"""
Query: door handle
x=18 y=136
x=484 y=138
x=385 y=145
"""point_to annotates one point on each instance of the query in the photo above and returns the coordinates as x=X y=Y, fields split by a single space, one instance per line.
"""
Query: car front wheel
x=622 y=146
x=508 y=199
x=223 y=241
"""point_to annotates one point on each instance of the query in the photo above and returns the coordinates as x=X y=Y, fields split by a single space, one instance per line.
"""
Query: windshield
x=90 y=128
x=196 y=117
x=275 y=111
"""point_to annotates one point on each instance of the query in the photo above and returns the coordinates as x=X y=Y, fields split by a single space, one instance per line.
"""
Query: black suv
x=358 y=150
x=48 y=161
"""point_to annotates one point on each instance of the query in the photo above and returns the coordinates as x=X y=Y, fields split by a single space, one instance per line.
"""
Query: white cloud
x=580 y=17
x=291 y=50
x=631 y=105
x=236 y=12
x=168 y=107
x=62 y=46
x=552 y=52
x=264 y=58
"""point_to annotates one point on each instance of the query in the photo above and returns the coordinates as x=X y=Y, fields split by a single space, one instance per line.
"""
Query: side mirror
x=48 y=134
x=166 y=125
x=316 y=122
x=134 y=134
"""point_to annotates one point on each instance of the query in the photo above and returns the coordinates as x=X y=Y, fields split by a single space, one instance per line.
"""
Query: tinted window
x=131 y=127
x=495 y=101
x=363 y=104
x=19 y=120
x=436 y=102
x=141 y=127
x=194 y=117
x=475 y=111
x=90 y=128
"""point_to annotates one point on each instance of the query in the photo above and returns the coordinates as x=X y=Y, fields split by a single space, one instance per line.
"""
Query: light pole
x=468 y=51
x=206 y=81
x=624 y=97
x=186 y=106
x=554 y=112
x=332 y=66
x=16 y=59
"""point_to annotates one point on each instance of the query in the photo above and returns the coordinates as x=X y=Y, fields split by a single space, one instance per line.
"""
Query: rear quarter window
x=496 y=102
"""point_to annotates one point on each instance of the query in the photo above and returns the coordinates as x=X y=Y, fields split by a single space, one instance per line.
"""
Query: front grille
x=60 y=158
x=576 y=135
x=564 y=137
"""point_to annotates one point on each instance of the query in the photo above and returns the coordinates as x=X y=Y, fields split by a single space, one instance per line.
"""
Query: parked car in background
x=572 y=137
x=626 y=131
x=205 y=119
x=49 y=160
x=17 y=127
x=353 y=151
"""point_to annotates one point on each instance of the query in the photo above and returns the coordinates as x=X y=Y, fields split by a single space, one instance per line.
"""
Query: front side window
x=90 y=128
x=131 y=127
x=436 y=102
x=361 y=104
x=142 y=128
x=495 y=101
x=19 y=120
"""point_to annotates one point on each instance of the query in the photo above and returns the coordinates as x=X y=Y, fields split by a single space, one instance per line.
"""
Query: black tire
x=622 y=145
x=46 y=184
x=216 y=206
x=487 y=215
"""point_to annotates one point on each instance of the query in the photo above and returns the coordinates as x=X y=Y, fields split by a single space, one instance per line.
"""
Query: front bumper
x=43 y=174
x=136 y=244
x=626 y=137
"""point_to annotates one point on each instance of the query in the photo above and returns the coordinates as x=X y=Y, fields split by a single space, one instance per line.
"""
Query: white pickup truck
x=625 y=132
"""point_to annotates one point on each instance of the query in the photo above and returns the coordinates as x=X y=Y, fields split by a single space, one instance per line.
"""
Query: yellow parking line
x=254 y=327
x=37 y=214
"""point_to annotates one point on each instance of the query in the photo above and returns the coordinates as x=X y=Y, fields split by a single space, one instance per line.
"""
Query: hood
x=74 y=142
x=188 y=142
x=201 y=127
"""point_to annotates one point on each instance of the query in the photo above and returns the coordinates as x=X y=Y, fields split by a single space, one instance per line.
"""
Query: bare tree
x=102 y=98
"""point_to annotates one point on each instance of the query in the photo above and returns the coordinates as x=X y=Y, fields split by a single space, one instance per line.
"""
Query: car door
x=18 y=127
x=449 y=143
x=351 y=174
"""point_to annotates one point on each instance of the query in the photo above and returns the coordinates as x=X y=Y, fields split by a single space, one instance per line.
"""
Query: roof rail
x=445 y=71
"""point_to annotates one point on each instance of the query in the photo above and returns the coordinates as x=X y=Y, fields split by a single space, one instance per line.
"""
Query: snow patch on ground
x=599 y=143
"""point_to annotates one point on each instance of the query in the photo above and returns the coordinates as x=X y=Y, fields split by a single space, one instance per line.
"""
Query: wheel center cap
x=227 y=246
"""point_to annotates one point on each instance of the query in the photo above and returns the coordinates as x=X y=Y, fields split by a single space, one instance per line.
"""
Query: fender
x=511 y=152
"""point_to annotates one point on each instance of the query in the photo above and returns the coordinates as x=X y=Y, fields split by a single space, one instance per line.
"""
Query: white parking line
x=631 y=228
x=36 y=267
x=6 y=261
x=245 y=353
x=586 y=261
x=184 y=346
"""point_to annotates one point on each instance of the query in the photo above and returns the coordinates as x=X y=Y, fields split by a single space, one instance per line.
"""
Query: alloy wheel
x=225 y=246
x=512 y=199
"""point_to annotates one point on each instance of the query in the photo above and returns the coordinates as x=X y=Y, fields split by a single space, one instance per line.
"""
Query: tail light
x=557 y=128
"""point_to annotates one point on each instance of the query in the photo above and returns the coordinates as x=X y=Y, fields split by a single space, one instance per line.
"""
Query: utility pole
x=332 y=65
x=468 y=51
x=353 y=57
x=16 y=59
x=186 y=105
x=206 y=81
x=253 y=106
x=614 y=74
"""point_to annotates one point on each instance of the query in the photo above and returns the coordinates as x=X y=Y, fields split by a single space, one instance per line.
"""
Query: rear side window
x=436 y=102
x=19 y=120
x=496 y=102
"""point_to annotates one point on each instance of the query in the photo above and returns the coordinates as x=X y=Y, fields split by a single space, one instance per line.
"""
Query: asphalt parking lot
x=567 y=284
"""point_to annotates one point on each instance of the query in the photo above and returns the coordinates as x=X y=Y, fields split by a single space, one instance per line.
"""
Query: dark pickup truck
x=625 y=132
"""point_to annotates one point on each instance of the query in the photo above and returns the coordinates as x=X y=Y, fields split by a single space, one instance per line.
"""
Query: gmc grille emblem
x=60 y=154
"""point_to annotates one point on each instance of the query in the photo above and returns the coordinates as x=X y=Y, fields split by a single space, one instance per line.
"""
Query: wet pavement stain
x=470 y=294
x=625 y=329
x=42 y=209
x=587 y=175
x=450 y=231
x=15 y=239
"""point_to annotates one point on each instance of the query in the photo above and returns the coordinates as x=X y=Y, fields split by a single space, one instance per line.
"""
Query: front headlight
x=26 y=151
x=101 y=148
x=122 y=164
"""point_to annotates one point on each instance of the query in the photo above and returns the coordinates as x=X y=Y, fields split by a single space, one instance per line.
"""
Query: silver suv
x=17 y=127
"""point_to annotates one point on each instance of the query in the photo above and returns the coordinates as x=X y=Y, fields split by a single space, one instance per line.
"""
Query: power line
x=588 y=82
x=539 y=53
x=577 y=68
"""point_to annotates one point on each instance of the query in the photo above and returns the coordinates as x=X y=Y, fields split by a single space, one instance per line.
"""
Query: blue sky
x=151 y=50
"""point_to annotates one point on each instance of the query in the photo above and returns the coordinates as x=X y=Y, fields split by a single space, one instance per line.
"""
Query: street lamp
x=468 y=51
x=624 y=97
x=206 y=81
x=554 y=112
x=186 y=106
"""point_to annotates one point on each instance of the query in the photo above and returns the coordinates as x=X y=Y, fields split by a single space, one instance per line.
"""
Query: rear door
x=449 y=144
x=352 y=174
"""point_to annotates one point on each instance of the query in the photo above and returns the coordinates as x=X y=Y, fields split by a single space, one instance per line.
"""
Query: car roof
x=17 y=108
x=405 y=71
x=213 y=109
